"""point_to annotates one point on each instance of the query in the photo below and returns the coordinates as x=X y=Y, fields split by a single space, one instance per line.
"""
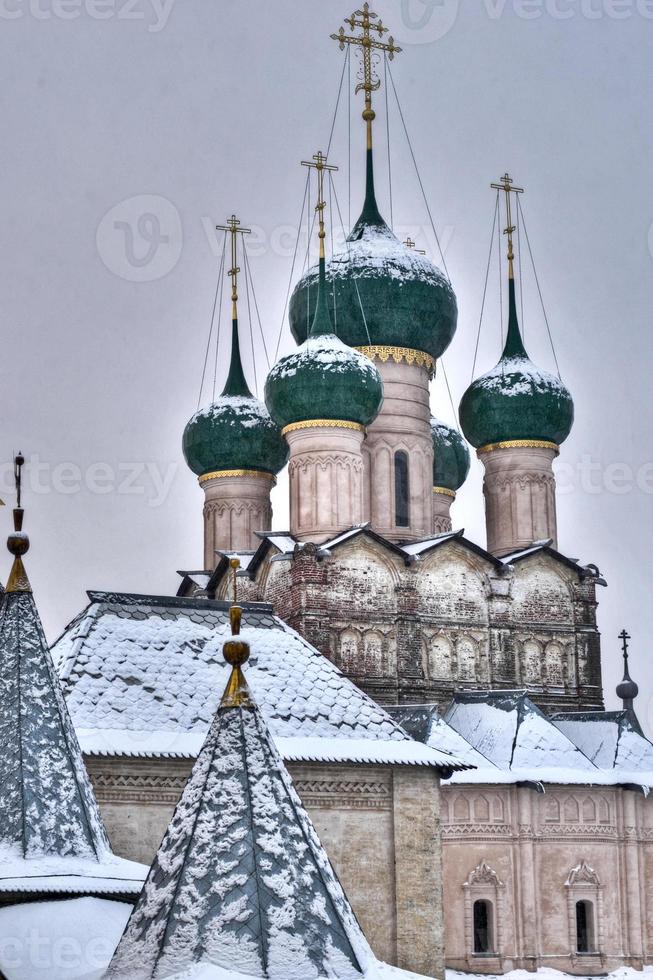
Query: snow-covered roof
x=52 y=838
x=504 y=738
x=241 y=880
x=143 y=674
x=611 y=741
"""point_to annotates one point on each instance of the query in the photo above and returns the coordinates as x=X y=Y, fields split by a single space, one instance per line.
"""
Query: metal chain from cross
x=506 y=184
x=233 y=226
x=319 y=164
x=370 y=24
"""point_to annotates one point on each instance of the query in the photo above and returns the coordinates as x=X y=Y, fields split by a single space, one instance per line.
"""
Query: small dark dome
x=450 y=456
x=627 y=690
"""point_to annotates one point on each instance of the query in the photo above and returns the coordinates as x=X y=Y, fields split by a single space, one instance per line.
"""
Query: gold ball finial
x=18 y=544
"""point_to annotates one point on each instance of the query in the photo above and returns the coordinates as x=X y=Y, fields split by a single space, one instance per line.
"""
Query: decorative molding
x=338 y=794
x=218 y=474
x=138 y=787
x=445 y=491
x=384 y=353
x=583 y=875
x=483 y=874
x=518 y=444
x=322 y=424
x=309 y=461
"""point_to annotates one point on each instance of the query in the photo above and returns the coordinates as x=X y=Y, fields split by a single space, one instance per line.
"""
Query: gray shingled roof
x=241 y=879
x=142 y=676
x=51 y=833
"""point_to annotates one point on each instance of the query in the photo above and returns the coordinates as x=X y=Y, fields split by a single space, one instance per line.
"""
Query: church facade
x=438 y=702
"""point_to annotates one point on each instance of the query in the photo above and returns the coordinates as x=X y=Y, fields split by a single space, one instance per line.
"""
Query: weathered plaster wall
x=414 y=633
x=533 y=856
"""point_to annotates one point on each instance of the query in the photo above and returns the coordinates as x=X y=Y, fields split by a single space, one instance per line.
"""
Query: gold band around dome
x=217 y=474
x=519 y=444
x=445 y=491
x=399 y=354
x=322 y=424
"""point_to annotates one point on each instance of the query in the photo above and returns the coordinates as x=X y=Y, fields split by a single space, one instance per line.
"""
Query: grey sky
x=211 y=107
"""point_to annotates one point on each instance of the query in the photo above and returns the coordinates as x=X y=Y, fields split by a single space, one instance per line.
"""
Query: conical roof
x=516 y=401
x=47 y=805
x=380 y=292
x=52 y=838
x=241 y=880
x=235 y=432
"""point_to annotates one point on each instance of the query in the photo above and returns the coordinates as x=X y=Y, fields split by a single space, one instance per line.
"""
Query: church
x=437 y=701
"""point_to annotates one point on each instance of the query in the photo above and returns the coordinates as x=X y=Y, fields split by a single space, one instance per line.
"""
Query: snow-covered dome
x=323 y=379
x=450 y=456
x=516 y=401
x=236 y=431
x=380 y=292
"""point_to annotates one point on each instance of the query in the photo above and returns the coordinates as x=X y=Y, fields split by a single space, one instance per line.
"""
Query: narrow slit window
x=402 y=490
x=483 y=928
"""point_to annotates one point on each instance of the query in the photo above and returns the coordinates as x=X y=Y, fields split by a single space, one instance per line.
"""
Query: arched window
x=483 y=927
x=402 y=490
x=585 y=940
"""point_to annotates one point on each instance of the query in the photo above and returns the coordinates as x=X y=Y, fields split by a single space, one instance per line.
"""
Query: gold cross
x=319 y=164
x=508 y=187
x=409 y=243
x=369 y=23
x=233 y=226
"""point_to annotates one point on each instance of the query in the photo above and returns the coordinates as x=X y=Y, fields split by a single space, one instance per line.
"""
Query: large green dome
x=236 y=431
x=323 y=379
x=516 y=401
x=450 y=456
x=406 y=300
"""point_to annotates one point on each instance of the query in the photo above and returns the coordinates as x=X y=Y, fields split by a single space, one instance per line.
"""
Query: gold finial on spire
x=409 y=243
x=508 y=187
x=319 y=164
x=233 y=226
x=236 y=653
x=18 y=542
x=370 y=24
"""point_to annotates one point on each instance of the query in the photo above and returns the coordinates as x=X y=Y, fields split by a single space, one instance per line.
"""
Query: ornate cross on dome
x=319 y=164
x=233 y=226
x=369 y=24
x=624 y=637
x=508 y=187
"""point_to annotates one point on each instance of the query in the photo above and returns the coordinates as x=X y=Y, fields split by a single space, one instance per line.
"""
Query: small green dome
x=236 y=431
x=450 y=456
x=516 y=400
x=406 y=300
x=323 y=379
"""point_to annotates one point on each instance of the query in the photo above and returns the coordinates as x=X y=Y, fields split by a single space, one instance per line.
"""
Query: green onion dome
x=236 y=431
x=450 y=456
x=406 y=301
x=323 y=378
x=516 y=401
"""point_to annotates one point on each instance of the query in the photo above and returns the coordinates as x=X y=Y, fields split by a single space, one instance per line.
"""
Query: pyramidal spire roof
x=48 y=809
x=241 y=880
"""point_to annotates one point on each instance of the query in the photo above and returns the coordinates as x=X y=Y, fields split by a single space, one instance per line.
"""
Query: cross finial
x=319 y=164
x=506 y=185
x=624 y=637
x=370 y=25
x=233 y=226
x=409 y=243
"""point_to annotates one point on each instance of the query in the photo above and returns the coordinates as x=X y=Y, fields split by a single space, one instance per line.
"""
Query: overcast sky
x=129 y=129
